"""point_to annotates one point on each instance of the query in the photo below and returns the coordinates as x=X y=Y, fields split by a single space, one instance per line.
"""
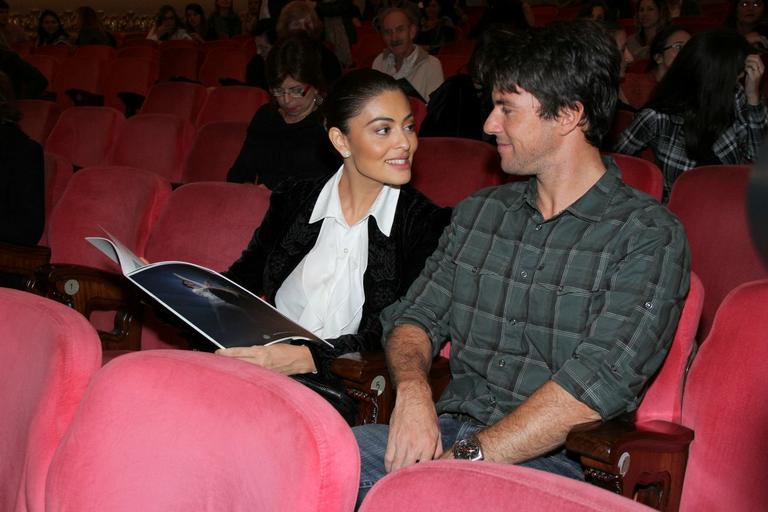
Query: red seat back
x=83 y=135
x=38 y=118
x=640 y=174
x=96 y=51
x=419 y=109
x=50 y=353
x=182 y=99
x=139 y=52
x=178 y=62
x=233 y=103
x=47 y=65
x=213 y=152
x=58 y=172
x=80 y=73
x=223 y=63
x=59 y=51
x=128 y=74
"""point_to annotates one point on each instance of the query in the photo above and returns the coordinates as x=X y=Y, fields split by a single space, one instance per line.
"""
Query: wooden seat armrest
x=87 y=290
x=359 y=366
x=23 y=261
x=641 y=461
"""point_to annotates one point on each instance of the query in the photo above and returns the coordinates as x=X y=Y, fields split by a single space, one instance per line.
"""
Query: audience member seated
x=691 y=119
x=90 y=30
x=339 y=19
x=50 y=30
x=10 y=33
x=286 y=138
x=510 y=13
x=251 y=16
x=300 y=16
x=264 y=37
x=596 y=10
x=679 y=8
x=620 y=36
x=748 y=16
x=224 y=22
x=22 y=171
x=26 y=81
x=539 y=284
x=196 y=24
x=167 y=26
x=664 y=48
x=402 y=59
x=330 y=254
x=651 y=16
x=436 y=27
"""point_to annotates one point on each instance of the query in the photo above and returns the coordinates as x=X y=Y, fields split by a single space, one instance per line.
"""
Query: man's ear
x=339 y=141
x=571 y=118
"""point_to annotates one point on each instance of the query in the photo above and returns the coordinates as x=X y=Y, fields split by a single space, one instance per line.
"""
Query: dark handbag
x=334 y=394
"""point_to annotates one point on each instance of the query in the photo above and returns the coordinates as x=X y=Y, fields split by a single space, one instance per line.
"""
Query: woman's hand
x=281 y=357
x=754 y=70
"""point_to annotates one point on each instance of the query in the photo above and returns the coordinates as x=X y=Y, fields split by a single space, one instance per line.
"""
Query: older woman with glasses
x=286 y=138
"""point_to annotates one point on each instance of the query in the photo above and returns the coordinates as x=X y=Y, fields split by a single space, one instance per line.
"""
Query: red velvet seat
x=465 y=486
x=58 y=172
x=232 y=103
x=139 y=52
x=448 y=169
x=155 y=142
x=543 y=14
x=178 y=62
x=47 y=65
x=640 y=174
x=128 y=75
x=59 y=51
x=223 y=63
x=49 y=355
x=178 y=430
x=83 y=135
x=453 y=63
x=79 y=73
x=96 y=51
x=213 y=151
x=419 y=109
x=182 y=99
x=711 y=203
x=38 y=118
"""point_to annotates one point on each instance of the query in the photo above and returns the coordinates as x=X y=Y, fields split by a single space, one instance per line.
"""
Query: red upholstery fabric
x=124 y=201
x=638 y=87
x=38 y=118
x=448 y=169
x=83 y=73
x=58 y=172
x=49 y=355
x=465 y=486
x=453 y=63
x=213 y=151
x=205 y=223
x=96 y=51
x=711 y=203
x=156 y=142
x=233 y=103
x=223 y=63
x=419 y=109
x=179 y=98
x=621 y=122
x=726 y=404
x=47 y=65
x=640 y=174
x=664 y=398
x=128 y=74
x=178 y=62
x=178 y=430
x=83 y=135
x=140 y=52
x=59 y=51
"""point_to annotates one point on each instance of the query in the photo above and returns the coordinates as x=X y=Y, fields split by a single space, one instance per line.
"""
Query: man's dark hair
x=297 y=56
x=562 y=64
x=4 y=6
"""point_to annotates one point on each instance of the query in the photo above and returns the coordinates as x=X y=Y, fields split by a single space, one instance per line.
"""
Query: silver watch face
x=468 y=449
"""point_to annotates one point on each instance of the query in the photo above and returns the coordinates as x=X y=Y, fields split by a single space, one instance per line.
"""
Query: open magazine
x=218 y=308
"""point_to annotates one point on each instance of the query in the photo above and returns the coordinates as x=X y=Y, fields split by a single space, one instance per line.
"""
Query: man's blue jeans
x=372 y=440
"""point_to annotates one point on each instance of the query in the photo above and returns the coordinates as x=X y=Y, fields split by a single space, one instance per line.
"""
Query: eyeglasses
x=294 y=92
x=674 y=46
x=753 y=3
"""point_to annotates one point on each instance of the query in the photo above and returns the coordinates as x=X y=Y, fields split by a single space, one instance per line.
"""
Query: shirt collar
x=408 y=61
x=328 y=205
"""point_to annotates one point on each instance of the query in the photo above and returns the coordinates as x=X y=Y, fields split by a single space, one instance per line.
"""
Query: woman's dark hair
x=161 y=13
x=265 y=27
x=732 y=20
x=352 y=92
x=509 y=13
x=8 y=110
x=699 y=87
x=44 y=37
x=659 y=43
x=586 y=10
x=89 y=20
x=197 y=9
x=297 y=56
x=562 y=64
x=664 y=18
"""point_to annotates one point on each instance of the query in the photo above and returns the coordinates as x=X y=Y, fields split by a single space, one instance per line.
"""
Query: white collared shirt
x=324 y=293
x=423 y=71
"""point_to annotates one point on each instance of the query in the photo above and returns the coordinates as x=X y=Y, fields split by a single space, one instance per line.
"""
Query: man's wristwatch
x=468 y=449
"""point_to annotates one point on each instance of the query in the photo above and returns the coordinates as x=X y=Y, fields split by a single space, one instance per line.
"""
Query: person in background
x=286 y=138
x=436 y=27
x=679 y=8
x=651 y=16
x=27 y=82
x=90 y=30
x=340 y=19
x=196 y=23
x=331 y=253
x=748 y=16
x=706 y=110
x=596 y=10
x=50 y=30
x=10 y=33
x=251 y=16
x=167 y=26
x=617 y=32
x=264 y=38
x=224 y=22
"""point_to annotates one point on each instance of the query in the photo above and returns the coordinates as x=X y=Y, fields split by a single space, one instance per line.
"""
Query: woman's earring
x=346 y=154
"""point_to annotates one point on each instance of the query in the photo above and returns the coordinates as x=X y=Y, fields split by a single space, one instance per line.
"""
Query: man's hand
x=414 y=432
x=281 y=357
x=754 y=70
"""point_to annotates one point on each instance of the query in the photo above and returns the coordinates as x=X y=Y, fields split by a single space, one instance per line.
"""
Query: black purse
x=334 y=394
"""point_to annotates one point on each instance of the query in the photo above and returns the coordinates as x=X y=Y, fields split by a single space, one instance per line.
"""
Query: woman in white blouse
x=332 y=253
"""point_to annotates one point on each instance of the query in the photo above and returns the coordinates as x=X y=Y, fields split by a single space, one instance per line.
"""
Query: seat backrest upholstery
x=122 y=200
x=84 y=135
x=155 y=142
x=641 y=174
x=465 y=486
x=178 y=62
x=183 y=99
x=83 y=73
x=664 y=398
x=58 y=172
x=448 y=169
x=128 y=74
x=223 y=63
x=726 y=405
x=712 y=204
x=232 y=103
x=202 y=432
x=38 y=118
x=50 y=353
x=214 y=150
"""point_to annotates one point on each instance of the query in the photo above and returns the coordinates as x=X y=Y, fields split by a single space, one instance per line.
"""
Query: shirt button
x=493 y=400
x=513 y=322
x=648 y=305
x=523 y=274
x=346 y=251
x=538 y=227
x=502 y=363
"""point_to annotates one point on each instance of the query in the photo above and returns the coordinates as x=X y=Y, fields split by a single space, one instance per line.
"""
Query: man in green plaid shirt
x=560 y=294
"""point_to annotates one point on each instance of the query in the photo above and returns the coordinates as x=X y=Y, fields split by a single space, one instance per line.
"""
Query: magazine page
x=117 y=252
x=221 y=310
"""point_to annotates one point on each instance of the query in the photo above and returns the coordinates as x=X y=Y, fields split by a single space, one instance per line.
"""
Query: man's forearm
x=409 y=355
x=538 y=426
